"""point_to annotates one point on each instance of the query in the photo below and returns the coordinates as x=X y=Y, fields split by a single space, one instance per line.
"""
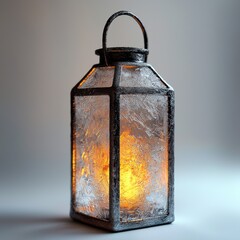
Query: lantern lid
x=123 y=54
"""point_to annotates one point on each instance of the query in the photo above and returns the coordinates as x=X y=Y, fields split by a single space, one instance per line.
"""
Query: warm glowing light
x=134 y=174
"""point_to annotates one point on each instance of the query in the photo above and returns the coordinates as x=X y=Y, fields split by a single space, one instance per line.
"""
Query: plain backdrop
x=46 y=46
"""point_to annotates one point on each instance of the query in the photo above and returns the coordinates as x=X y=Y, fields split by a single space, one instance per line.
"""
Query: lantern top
x=122 y=54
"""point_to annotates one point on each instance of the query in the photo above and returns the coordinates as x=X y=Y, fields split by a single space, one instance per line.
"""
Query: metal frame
x=114 y=92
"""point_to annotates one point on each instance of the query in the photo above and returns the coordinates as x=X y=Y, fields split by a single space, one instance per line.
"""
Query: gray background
x=46 y=46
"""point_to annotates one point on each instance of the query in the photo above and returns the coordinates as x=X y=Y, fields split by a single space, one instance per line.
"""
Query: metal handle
x=109 y=21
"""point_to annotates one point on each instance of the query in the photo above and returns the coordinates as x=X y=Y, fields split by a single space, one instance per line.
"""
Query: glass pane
x=91 y=156
x=98 y=78
x=143 y=156
x=133 y=76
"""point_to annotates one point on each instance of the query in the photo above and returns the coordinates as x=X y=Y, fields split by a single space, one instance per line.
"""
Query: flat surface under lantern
x=206 y=203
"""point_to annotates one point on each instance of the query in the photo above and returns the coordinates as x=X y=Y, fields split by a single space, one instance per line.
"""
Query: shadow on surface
x=42 y=226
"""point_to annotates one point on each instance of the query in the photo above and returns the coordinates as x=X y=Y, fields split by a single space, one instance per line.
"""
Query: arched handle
x=109 y=21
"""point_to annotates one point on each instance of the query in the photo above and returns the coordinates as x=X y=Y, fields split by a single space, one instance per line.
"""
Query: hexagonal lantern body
x=122 y=137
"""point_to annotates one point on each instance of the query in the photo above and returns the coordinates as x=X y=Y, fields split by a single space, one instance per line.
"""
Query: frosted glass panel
x=98 y=78
x=132 y=76
x=91 y=156
x=143 y=156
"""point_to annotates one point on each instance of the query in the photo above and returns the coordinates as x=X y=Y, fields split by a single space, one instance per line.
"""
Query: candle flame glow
x=134 y=174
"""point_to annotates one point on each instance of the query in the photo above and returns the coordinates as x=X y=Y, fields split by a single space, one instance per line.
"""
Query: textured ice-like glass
x=98 y=77
x=143 y=156
x=91 y=156
x=133 y=76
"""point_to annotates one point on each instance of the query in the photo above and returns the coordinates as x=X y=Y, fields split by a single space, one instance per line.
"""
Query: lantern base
x=118 y=226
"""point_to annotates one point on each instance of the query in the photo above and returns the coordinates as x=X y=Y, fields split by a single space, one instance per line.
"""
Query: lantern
x=122 y=133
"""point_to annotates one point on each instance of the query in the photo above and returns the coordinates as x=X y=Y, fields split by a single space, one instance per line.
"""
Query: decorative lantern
x=122 y=133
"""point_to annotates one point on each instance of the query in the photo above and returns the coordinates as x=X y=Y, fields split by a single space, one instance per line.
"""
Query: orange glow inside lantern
x=134 y=174
x=131 y=171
